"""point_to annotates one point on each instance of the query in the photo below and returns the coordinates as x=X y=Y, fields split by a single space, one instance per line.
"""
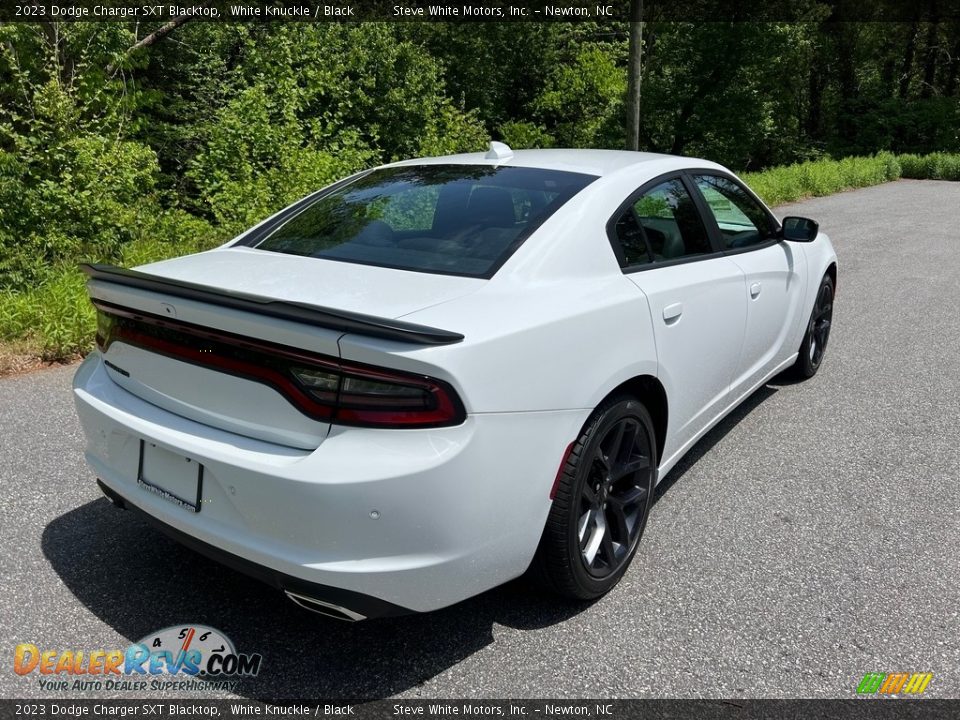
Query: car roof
x=590 y=162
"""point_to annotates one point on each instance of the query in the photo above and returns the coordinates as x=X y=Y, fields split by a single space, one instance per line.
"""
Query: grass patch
x=54 y=321
x=825 y=177
x=822 y=177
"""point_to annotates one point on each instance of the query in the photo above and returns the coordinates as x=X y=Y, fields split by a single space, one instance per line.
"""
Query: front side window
x=451 y=219
x=742 y=221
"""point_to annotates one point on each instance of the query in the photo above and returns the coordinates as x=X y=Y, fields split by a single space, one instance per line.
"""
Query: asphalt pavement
x=812 y=537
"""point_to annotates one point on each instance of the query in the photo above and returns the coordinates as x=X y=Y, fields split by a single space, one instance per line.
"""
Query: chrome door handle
x=672 y=313
x=755 y=290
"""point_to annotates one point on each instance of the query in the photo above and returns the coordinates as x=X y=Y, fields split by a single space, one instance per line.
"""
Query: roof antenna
x=498 y=151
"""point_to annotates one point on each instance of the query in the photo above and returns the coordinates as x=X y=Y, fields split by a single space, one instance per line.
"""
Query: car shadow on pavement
x=706 y=443
x=136 y=580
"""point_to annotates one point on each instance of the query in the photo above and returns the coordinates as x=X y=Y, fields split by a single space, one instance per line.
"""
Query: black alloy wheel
x=814 y=344
x=601 y=504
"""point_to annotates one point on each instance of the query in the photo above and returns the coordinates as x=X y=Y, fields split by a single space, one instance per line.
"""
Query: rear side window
x=671 y=222
x=451 y=219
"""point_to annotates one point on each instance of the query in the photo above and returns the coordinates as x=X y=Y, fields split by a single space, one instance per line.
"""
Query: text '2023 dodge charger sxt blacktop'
x=431 y=377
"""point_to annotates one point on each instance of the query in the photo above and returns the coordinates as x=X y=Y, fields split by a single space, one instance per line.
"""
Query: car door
x=772 y=269
x=696 y=300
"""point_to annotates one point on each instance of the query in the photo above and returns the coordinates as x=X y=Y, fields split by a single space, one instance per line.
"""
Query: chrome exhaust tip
x=322 y=607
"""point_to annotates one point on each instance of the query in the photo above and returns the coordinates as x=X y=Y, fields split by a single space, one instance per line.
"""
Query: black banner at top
x=480 y=10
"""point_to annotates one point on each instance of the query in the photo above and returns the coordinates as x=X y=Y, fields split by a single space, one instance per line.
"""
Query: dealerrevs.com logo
x=184 y=657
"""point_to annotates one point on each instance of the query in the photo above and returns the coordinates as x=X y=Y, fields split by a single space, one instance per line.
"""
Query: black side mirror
x=799 y=229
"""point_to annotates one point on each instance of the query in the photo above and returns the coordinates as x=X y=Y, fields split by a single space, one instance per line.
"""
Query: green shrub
x=91 y=197
x=526 y=135
x=255 y=161
x=892 y=167
x=581 y=101
x=775 y=186
x=823 y=177
x=935 y=166
x=55 y=317
x=452 y=130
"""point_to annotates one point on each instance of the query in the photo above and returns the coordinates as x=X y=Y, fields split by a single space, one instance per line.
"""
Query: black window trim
x=652 y=264
x=260 y=233
x=710 y=219
x=615 y=239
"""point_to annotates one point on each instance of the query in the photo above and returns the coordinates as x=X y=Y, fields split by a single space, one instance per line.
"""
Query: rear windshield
x=451 y=219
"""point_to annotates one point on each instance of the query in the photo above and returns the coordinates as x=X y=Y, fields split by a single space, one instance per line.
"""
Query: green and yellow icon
x=894 y=683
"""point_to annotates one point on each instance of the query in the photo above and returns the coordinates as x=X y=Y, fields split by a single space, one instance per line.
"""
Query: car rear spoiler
x=342 y=320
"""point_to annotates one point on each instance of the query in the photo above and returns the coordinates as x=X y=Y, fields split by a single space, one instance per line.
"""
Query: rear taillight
x=382 y=398
x=321 y=387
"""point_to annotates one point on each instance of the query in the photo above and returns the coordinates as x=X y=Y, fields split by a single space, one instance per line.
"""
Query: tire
x=814 y=344
x=601 y=504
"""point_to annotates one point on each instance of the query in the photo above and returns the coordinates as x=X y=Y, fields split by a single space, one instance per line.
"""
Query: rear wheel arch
x=603 y=495
x=650 y=392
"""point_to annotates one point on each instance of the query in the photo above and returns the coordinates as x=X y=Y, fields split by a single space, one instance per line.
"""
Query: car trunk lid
x=196 y=335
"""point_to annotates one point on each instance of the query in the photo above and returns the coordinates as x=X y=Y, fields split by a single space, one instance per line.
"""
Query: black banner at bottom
x=892 y=708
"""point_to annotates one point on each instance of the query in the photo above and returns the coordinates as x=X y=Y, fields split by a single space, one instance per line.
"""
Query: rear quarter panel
x=552 y=346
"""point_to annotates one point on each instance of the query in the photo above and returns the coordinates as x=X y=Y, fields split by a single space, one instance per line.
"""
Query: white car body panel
x=239 y=322
x=501 y=335
x=693 y=306
x=358 y=288
x=308 y=514
x=213 y=398
x=774 y=293
x=423 y=518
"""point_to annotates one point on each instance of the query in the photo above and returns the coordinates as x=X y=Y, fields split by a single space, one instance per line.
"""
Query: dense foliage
x=115 y=150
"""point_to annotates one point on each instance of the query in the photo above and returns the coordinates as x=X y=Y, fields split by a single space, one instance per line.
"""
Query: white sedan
x=424 y=380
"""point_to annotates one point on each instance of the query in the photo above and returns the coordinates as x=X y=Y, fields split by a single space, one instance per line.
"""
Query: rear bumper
x=377 y=521
x=362 y=605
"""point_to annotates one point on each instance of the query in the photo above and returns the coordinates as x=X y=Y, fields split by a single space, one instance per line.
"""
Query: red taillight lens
x=321 y=387
x=382 y=398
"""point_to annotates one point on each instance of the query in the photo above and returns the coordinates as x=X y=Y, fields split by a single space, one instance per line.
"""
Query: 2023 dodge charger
x=417 y=383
